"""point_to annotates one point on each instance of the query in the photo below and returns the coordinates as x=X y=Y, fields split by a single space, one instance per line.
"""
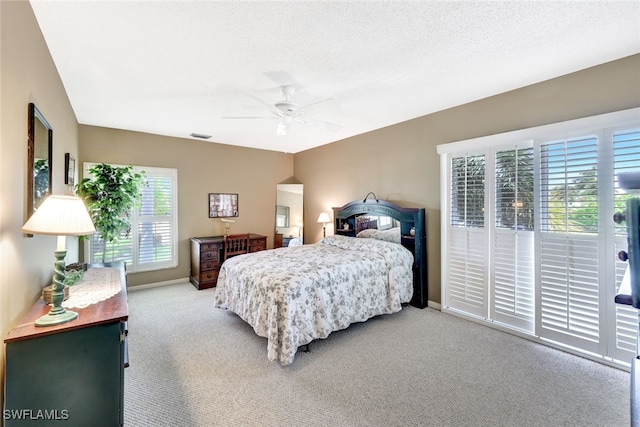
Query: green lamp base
x=58 y=314
x=56 y=319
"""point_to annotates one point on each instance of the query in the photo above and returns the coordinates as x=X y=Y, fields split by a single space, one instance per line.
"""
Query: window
x=514 y=189
x=467 y=191
x=152 y=242
x=532 y=248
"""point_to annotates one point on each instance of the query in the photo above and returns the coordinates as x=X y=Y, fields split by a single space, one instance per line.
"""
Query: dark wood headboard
x=409 y=218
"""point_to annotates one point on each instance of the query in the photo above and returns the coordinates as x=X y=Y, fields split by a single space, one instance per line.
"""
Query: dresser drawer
x=208 y=277
x=258 y=244
x=210 y=247
x=258 y=247
x=210 y=256
x=209 y=265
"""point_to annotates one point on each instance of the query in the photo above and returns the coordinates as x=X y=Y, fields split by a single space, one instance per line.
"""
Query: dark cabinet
x=70 y=374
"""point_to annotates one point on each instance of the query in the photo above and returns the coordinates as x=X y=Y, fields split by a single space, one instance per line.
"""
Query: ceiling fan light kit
x=289 y=112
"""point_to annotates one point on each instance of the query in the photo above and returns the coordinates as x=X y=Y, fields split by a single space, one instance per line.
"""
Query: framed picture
x=69 y=169
x=223 y=205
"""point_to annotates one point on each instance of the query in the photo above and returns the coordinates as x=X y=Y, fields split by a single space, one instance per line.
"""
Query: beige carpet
x=195 y=365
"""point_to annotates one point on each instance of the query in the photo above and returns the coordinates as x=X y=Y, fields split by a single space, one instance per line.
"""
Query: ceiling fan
x=288 y=112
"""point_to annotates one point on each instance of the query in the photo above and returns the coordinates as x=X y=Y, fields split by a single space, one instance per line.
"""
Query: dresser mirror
x=289 y=211
x=39 y=149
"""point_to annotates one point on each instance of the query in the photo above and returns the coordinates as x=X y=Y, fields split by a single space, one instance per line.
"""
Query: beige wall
x=399 y=163
x=203 y=168
x=27 y=74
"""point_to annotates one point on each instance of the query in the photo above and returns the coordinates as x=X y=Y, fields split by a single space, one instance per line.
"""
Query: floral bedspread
x=295 y=295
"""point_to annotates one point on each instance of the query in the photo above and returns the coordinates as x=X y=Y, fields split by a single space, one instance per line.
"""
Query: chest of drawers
x=207 y=254
x=70 y=374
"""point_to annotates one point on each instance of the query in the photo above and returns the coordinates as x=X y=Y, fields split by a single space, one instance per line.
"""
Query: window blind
x=512 y=266
x=467 y=246
x=155 y=231
x=569 y=250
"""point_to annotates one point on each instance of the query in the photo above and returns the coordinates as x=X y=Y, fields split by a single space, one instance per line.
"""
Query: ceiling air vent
x=200 y=135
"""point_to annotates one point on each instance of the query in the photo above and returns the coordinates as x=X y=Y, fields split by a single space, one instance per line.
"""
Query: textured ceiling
x=180 y=67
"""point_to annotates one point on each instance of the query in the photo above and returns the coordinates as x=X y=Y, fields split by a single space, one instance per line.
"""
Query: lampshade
x=324 y=218
x=60 y=216
x=227 y=225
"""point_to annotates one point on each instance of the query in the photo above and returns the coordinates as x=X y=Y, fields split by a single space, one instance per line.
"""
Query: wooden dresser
x=207 y=254
x=70 y=374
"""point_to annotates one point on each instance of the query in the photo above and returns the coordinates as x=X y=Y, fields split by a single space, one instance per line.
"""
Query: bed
x=295 y=295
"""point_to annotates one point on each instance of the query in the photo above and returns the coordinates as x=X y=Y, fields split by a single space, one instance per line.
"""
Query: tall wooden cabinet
x=207 y=254
x=70 y=374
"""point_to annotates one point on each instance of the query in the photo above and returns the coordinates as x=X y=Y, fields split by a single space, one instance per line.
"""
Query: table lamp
x=59 y=216
x=324 y=219
x=227 y=225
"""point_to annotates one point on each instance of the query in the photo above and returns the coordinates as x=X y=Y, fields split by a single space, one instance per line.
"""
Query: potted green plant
x=110 y=193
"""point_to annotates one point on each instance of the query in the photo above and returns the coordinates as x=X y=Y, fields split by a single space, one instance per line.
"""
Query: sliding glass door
x=528 y=237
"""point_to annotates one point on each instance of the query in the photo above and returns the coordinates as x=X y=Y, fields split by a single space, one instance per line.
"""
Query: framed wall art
x=223 y=205
x=69 y=169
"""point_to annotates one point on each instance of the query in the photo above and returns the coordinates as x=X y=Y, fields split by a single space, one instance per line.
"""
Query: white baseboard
x=157 y=284
x=434 y=305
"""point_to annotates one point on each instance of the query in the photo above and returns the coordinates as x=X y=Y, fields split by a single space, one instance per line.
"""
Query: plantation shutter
x=155 y=226
x=569 y=251
x=151 y=244
x=467 y=246
x=626 y=158
x=512 y=288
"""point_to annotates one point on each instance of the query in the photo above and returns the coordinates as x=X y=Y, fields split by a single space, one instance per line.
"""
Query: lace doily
x=97 y=284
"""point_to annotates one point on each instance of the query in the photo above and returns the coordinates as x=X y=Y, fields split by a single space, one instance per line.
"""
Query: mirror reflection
x=282 y=216
x=289 y=207
x=39 y=146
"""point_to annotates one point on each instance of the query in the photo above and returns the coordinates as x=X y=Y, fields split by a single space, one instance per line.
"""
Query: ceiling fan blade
x=333 y=127
x=313 y=104
x=267 y=104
